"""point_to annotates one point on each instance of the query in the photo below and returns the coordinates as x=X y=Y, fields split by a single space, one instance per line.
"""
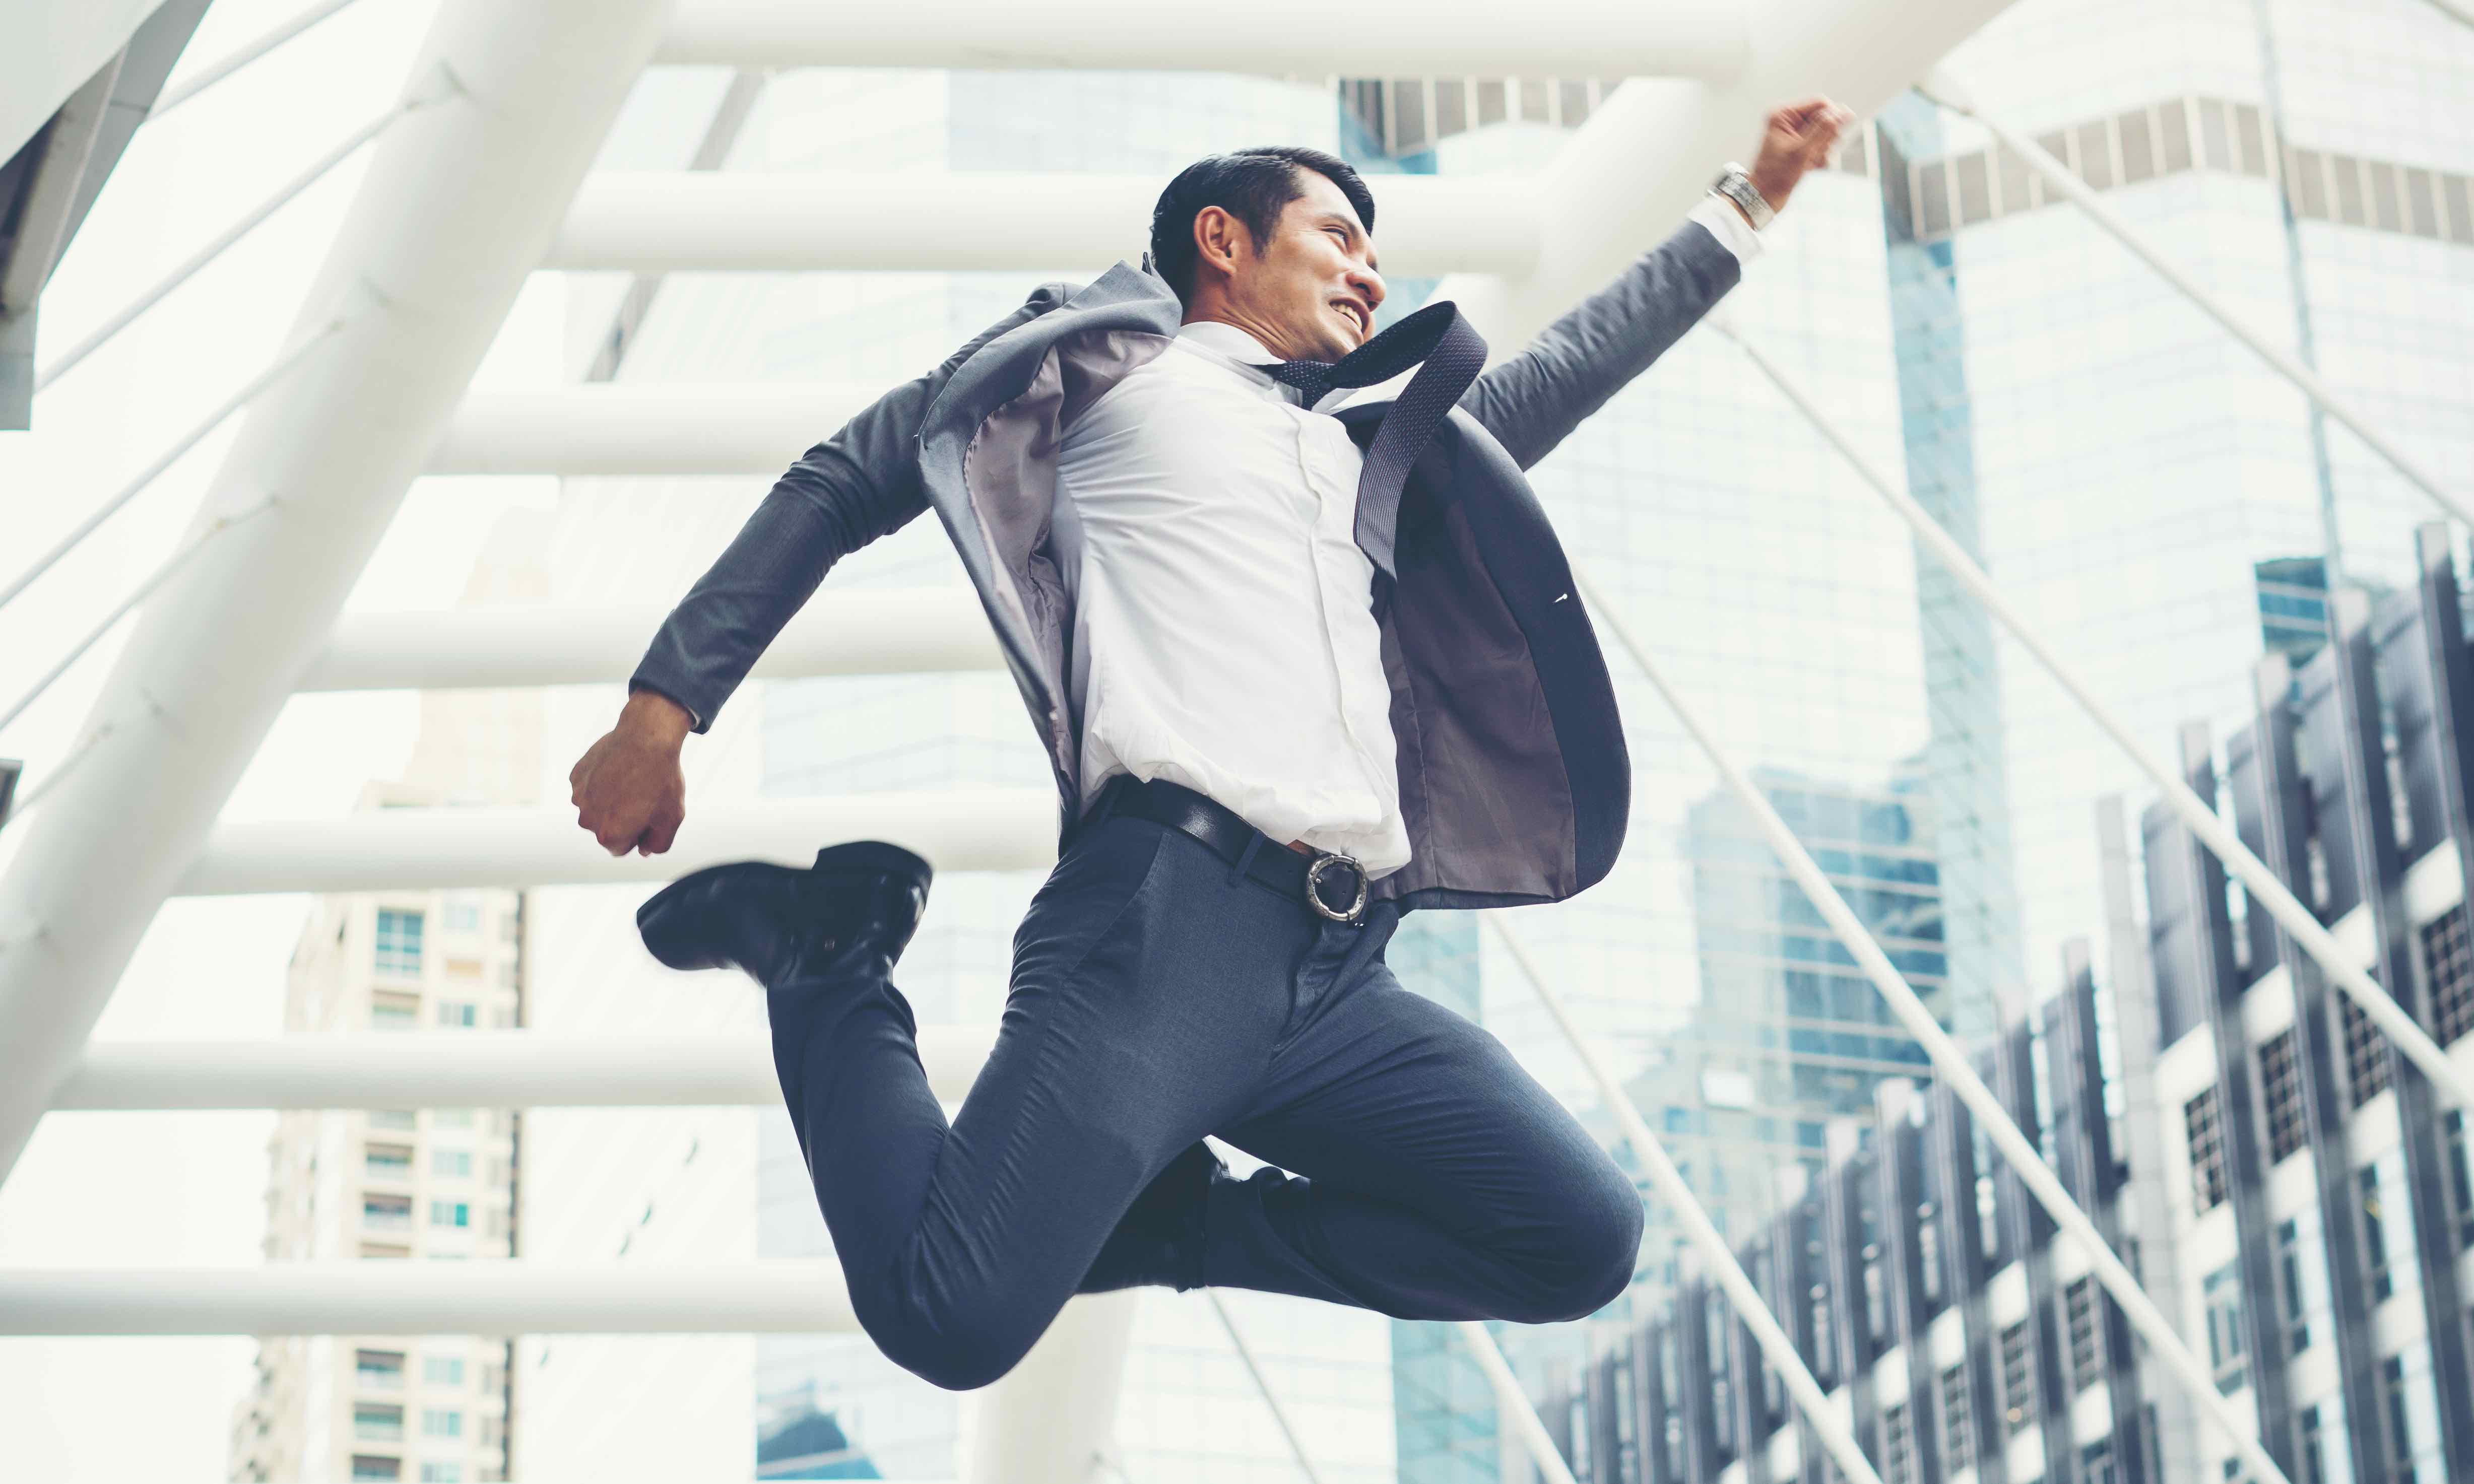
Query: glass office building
x=2302 y=1211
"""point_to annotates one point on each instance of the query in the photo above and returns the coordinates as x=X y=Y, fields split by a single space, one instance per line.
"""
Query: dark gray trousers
x=1156 y=997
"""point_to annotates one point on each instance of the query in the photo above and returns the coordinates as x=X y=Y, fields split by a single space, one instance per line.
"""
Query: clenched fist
x=1797 y=138
x=627 y=788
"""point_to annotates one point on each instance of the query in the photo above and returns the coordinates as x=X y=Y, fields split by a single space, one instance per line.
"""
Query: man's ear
x=1218 y=237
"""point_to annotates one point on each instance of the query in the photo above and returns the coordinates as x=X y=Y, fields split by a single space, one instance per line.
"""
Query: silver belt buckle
x=1324 y=861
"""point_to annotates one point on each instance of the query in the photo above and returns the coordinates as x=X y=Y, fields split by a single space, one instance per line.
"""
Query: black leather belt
x=1333 y=885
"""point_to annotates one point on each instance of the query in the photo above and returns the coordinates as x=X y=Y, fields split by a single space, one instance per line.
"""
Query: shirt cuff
x=1728 y=224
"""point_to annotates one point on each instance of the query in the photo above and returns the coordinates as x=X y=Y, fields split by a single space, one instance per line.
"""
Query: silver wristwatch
x=1735 y=183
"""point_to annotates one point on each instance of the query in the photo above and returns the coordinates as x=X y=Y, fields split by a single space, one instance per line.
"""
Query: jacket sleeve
x=860 y=483
x=1531 y=400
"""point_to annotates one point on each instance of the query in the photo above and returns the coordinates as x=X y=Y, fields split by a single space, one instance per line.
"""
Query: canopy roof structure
x=481 y=176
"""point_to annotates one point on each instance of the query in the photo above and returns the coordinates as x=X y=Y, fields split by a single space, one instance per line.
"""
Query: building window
x=1957 y=1422
x=376 y=1421
x=387 y=1162
x=2313 y=1452
x=2375 y=1237
x=2017 y=1405
x=378 y=1369
x=392 y=1118
x=451 y=1118
x=2460 y=1175
x=394 y=1013
x=2392 y=1408
x=2291 y=1281
x=463 y=916
x=1898 y=1450
x=386 y=1213
x=2280 y=1082
x=2078 y=1313
x=399 y=943
x=2095 y=1462
x=2227 y=1352
x=367 y=1465
x=2204 y=1124
x=2450 y=959
x=2366 y=1056
x=452 y=1163
x=442 y=1423
x=450 y=1213
x=442 y=1370
x=458 y=1013
x=437 y=1472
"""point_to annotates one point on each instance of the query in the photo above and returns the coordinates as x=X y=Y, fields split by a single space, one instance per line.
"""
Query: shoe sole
x=664 y=920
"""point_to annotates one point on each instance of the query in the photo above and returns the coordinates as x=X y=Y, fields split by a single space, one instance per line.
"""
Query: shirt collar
x=1228 y=341
x=1228 y=344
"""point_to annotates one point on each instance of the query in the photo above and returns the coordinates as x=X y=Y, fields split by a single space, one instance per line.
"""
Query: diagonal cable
x=216 y=71
x=1953 y=1066
x=1776 y=1347
x=70 y=358
x=1263 y=1384
x=1534 y=1439
x=2257 y=878
x=173 y=455
x=144 y=591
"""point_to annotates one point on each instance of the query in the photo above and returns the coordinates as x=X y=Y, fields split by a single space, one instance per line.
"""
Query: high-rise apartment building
x=435 y=1184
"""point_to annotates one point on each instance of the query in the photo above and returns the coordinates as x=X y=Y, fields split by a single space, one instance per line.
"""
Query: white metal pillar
x=1053 y=1417
x=459 y=206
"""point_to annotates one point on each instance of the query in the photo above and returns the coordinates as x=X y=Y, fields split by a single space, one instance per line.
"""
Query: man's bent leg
x=1442 y=1181
x=1147 y=993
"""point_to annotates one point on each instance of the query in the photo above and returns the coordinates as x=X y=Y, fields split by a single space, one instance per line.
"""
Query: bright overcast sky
x=187 y=1189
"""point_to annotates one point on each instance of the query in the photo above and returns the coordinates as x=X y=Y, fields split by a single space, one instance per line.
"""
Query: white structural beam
x=1628 y=175
x=850 y=631
x=627 y=427
x=1051 y=1419
x=430 y=1297
x=456 y=208
x=472 y=1070
x=1556 y=38
x=447 y=849
x=878 y=220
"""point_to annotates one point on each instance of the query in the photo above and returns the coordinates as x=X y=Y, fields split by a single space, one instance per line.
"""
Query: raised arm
x=1531 y=401
x=857 y=485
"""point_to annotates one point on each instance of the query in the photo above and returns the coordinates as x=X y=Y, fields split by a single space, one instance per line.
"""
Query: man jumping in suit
x=1295 y=673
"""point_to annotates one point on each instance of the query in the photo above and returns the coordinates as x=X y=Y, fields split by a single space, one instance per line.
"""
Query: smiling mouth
x=1355 y=313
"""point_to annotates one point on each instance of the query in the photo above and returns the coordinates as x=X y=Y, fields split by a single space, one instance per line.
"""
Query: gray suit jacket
x=1515 y=784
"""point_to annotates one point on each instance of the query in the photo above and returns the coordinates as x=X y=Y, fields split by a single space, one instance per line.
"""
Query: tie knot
x=1311 y=378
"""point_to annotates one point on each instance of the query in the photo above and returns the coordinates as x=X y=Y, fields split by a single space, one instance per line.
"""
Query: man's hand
x=627 y=787
x=1799 y=137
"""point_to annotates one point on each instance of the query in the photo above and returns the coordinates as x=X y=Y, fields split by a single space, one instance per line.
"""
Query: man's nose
x=1369 y=283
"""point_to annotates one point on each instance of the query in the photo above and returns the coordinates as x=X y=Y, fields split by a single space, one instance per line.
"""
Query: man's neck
x=1263 y=335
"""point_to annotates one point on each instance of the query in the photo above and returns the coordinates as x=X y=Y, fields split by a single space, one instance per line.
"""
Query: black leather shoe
x=858 y=901
x=1158 y=1242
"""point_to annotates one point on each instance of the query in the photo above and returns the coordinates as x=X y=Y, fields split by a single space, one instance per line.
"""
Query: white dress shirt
x=1224 y=633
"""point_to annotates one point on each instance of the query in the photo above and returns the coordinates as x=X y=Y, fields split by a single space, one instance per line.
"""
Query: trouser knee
x=956 y=1351
x=1591 y=1262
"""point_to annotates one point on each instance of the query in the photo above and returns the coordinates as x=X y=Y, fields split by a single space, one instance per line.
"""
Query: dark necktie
x=1449 y=354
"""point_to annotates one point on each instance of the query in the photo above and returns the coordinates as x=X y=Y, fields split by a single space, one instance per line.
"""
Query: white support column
x=856 y=631
x=1072 y=224
x=1627 y=177
x=462 y=849
x=458 y=206
x=489 y=1296
x=472 y=1070
x=1555 y=38
x=1053 y=1419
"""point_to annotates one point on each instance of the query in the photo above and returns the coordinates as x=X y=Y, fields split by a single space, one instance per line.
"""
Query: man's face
x=1313 y=286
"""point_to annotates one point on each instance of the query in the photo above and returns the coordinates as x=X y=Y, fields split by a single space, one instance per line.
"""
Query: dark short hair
x=1252 y=185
